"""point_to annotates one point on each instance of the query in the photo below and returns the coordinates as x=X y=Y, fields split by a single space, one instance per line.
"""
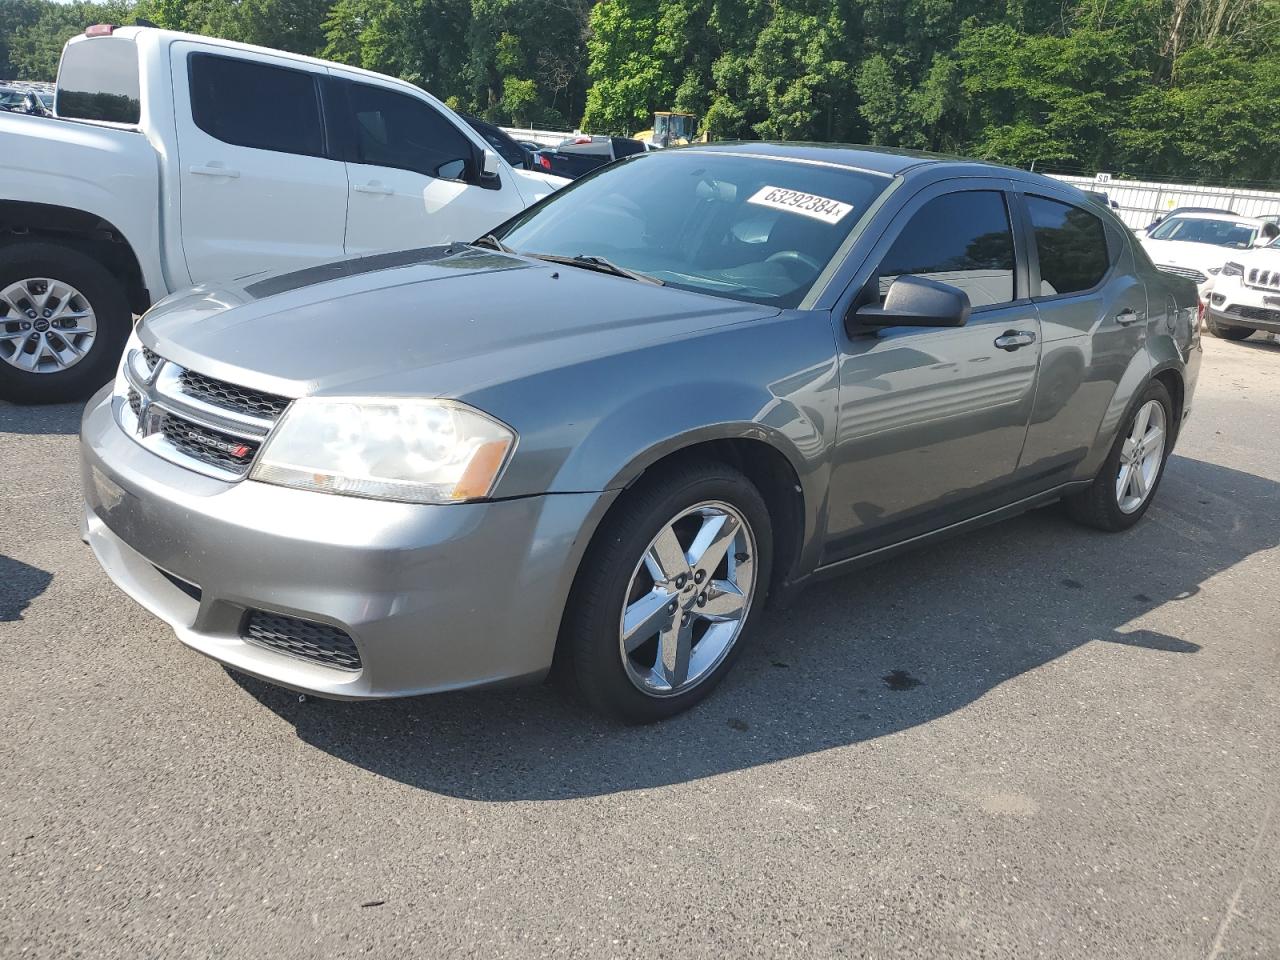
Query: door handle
x=1015 y=340
x=1127 y=316
x=373 y=186
x=214 y=169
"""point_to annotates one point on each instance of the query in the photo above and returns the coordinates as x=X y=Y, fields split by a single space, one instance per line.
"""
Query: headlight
x=1232 y=269
x=418 y=451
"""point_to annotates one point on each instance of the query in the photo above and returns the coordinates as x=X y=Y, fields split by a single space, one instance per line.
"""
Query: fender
x=106 y=173
x=1134 y=380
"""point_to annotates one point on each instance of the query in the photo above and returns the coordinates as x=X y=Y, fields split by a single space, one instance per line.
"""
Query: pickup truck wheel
x=1228 y=332
x=665 y=592
x=63 y=322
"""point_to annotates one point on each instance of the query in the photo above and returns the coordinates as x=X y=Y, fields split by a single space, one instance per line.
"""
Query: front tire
x=1227 y=332
x=63 y=322
x=1125 y=486
x=667 y=589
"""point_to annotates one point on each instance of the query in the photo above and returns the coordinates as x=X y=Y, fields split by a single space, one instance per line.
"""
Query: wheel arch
x=81 y=230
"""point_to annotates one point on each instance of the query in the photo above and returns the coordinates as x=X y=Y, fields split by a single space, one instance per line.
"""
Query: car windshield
x=746 y=227
x=1221 y=233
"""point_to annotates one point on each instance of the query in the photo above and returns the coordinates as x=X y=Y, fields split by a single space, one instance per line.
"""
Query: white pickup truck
x=175 y=159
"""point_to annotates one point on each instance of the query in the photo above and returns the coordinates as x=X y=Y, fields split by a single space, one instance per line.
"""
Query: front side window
x=1221 y=233
x=251 y=104
x=98 y=80
x=754 y=228
x=962 y=239
x=1071 y=244
x=396 y=130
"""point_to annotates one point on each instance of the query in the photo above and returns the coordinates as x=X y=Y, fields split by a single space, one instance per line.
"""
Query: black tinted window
x=397 y=130
x=507 y=148
x=1071 y=244
x=98 y=80
x=253 y=104
x=962 y=239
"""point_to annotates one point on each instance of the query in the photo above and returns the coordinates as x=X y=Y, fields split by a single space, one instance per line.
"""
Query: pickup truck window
x=396 y=130
x=98 y=80
x=251 y=104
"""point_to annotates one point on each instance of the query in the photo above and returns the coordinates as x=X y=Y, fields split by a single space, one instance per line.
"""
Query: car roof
x=1207 y=215
x=886 y=160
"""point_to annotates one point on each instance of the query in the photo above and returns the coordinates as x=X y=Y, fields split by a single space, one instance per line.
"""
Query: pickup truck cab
x=175 y=159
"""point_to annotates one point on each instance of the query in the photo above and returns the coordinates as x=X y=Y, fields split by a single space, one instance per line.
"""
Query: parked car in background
x=176 y=159
x=1196 y=245
x=518 y=154
x=25 y=100
x=602 y=436
x=580 y=155
x=1245 y=296
x=1179 y=211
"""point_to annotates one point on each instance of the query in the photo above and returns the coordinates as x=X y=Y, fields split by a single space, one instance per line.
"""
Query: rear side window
x=251 y=104
x=1071 y=244
x=962 y=239
x=396 y=130
x=98 y=80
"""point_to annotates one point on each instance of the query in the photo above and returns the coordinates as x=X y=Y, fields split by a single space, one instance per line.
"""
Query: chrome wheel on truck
x=46 y=325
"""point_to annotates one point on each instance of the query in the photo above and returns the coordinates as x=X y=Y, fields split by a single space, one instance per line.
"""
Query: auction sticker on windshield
x=806 y=204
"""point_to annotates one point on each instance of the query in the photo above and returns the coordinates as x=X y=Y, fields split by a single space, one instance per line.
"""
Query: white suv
x=1246 y=295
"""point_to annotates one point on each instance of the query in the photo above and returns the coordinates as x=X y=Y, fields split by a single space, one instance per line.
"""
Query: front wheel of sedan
x=1126 y=485
x=671 y=582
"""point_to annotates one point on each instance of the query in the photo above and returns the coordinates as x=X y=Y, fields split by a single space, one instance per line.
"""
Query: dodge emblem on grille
x=237 y=450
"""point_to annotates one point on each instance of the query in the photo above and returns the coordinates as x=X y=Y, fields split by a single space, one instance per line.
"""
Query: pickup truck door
x=413 y=174
x=258 y=191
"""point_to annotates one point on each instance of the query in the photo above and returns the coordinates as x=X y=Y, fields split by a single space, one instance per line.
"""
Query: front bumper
x=434 y=597
x=1234 y=304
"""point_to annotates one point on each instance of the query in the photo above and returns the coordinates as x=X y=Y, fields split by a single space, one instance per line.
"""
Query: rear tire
x=107 y=303
x=624 y=681
x=1101 y=504
x=1227 y=332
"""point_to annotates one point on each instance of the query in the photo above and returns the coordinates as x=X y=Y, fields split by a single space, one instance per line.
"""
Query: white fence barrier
x=548 y=138
x=1141 y=201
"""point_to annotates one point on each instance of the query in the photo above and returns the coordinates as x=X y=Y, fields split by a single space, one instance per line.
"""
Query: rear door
x=258 y=191
x=414 y=174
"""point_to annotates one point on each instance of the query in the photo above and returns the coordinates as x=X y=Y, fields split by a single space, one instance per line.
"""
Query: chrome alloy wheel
x=688 y=599
x=1141 y=456
x=46 y=325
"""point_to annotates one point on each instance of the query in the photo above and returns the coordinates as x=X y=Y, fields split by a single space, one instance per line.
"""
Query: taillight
x=99 y=30
x=543 y=162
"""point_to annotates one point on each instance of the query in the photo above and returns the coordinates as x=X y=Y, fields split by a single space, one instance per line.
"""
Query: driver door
x=932 y=420
x=412 y=175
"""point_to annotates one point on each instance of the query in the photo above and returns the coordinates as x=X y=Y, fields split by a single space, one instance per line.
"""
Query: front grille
x=150 y=358
x=231 y=397
x=317 y=642
x=1186 y=272
x=135 y=401
x=209 y=446
x=1268 y=279
x=1255 y=313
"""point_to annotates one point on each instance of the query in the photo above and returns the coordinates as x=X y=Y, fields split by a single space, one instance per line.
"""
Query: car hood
x=535 y=184
x=442 y=321
x=1264 y=258
x=1197 y=256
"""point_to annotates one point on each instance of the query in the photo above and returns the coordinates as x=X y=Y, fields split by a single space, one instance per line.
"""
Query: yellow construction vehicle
x=672 y=130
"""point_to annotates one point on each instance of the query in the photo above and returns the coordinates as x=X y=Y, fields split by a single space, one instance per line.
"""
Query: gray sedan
x=596 y=441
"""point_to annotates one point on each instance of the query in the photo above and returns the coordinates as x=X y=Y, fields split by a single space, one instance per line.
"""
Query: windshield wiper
x=599 y=264
x=492 y=242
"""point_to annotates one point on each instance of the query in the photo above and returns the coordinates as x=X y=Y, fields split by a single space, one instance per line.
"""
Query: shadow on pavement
x=879 y=651
x=55 y=418
x=19 y=585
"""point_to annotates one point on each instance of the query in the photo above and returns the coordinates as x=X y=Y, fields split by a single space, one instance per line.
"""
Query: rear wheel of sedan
x=1127 y=482
x=63 y=322
x=674 y=577
x=1228 y=332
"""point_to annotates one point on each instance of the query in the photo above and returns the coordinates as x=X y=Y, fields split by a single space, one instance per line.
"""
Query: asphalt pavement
x=1036 y=741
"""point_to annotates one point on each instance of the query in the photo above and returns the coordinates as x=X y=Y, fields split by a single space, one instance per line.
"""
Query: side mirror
x=31 y=104
x=917 y=302
x=490 y=165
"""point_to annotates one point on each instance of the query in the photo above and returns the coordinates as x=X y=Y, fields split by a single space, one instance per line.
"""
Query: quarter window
x=963 y=239
x=396 y=130
x=252 y=104
x=1071 y=244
